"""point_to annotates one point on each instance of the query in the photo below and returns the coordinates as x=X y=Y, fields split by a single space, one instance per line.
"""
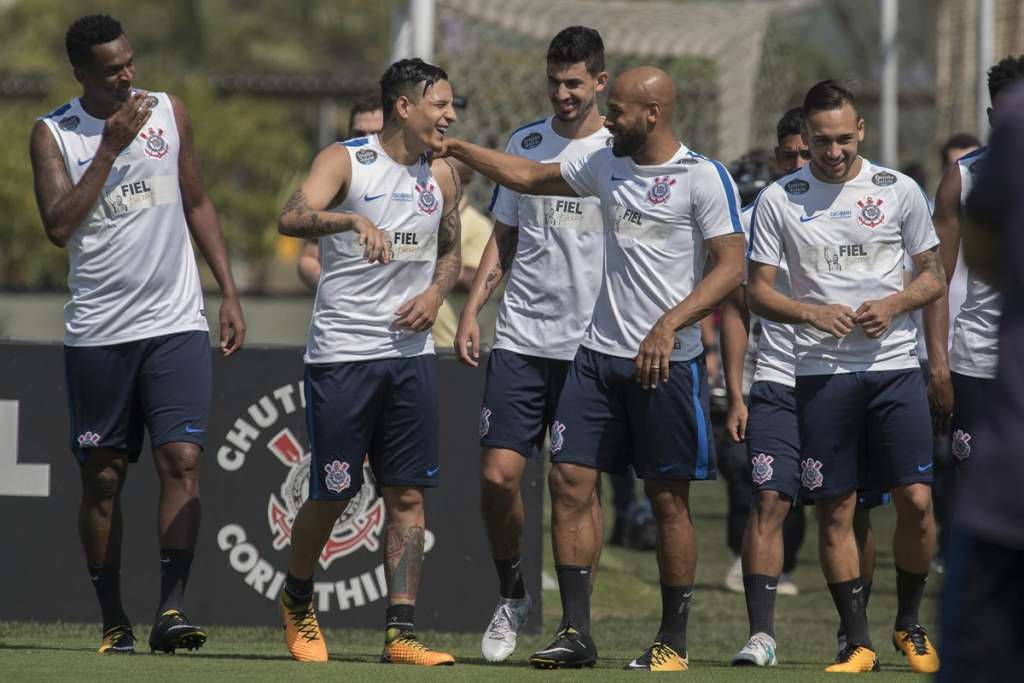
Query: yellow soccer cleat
x=118 y=640
x=302 y=631
x=659 y=657
x=404 y=648
x=919 y=651
x=854 y=659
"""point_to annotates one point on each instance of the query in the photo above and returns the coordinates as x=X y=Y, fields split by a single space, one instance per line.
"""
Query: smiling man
x=842 y=225
x=119 y=184
x=553 y=248
x=387 y=221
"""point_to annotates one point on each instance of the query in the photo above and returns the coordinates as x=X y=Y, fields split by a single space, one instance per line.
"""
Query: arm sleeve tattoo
x=449 y=238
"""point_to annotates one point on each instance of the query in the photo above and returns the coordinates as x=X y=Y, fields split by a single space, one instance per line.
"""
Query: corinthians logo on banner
x=262 y=449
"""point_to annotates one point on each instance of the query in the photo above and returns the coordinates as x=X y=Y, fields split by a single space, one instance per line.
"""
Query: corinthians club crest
x=156 y=146
x=660 y=190
x=358 y=527
x=871 y=215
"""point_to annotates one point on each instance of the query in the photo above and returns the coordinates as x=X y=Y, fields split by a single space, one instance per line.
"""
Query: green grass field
x=626 y=609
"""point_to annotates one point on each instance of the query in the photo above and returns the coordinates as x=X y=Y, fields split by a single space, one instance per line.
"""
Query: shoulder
x=787 y=188
x=704 y=169
x=528 y=136
x=882 y=176
x=447 y=177
x=971 y=162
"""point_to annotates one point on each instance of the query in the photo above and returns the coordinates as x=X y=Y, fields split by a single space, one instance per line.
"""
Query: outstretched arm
x=517 y=173
x=495 y=263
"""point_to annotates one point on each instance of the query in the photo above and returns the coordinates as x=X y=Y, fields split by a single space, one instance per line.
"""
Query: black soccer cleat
x=571 y=649
x=118 y=640
x=172 y=631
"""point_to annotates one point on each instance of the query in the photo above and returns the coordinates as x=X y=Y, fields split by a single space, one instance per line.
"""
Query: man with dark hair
x=636 y=393
x=137 y=347
x=365 y=118
x=957 y=146
x=388 y=223
x=962 y=381
x=553 y=248
x=843 y=225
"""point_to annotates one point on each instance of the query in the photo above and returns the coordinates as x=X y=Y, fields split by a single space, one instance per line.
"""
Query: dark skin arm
x=652 y=359
x=204 y=225
x=495 y=263
x=517 y=173
x=64 y=205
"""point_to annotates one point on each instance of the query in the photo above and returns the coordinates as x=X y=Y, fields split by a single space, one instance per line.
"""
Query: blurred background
x=267 y=83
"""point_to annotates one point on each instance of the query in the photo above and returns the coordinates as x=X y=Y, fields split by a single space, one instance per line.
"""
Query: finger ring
x=655 y=365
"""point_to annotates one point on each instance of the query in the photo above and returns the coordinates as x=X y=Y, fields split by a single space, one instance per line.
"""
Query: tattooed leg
x=403 y=548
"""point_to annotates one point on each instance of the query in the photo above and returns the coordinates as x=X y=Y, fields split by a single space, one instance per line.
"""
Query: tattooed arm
x=419 y=313
x=496 y=261
x=929 y=284
x=306 y=215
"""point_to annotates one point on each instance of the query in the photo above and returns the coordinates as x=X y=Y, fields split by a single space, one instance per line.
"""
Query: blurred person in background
x=137 y=346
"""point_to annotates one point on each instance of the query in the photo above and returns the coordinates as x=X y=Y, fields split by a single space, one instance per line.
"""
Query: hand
x=418 y=313
x=836 y=319
x=874 y=317
x=467 y=340
x=652 y=360
x=232 y=325
x=375 y=242
x=439 y=150
x=940 y=400
x=124 y=124
x=736 y=421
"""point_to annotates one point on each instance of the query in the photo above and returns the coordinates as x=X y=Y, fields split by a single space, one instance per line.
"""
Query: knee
x=914 y=500
x=666 y=504
x=769 y=511
x=403 y=500
x=568 y=489
x=102 y=483
x=179 y=461
x=497 y=483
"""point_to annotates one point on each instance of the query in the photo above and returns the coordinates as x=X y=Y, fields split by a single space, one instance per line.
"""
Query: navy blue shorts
x=606 y=421
x=971 y=398
x=115 y=392
x=773 y=439
x=519 y=400
x=868 y=431
x=386 y=409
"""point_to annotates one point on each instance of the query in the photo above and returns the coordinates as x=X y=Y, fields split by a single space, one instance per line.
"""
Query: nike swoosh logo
x=431 y=472
x=189 y=429
x=165 y=560
x=807 y=219
x=770 y=588
x=857 y=590
x=924 y=468
x=556 y=649
x=83 y=162
x=368 y=198
x=666 y=468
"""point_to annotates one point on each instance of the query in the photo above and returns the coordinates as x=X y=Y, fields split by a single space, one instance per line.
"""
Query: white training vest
x=132 y=271
x=354 y=312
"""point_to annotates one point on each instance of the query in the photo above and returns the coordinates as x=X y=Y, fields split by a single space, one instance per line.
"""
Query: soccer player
x=842 y=225
x=961 y=383
x=119 y=184
x=553 y=248
x=388 y=223
x=365 y=118
x=636 y=393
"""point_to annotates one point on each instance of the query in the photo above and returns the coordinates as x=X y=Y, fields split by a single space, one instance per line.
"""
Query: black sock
x=574 y=589
x=675 y=610
x=107 y=582
x=510 y=581
x=849 y=599
x=299 y=590
x=760 y=591
x=400 y=619
x=909 y=591
x=867 y=598
x=174 y=568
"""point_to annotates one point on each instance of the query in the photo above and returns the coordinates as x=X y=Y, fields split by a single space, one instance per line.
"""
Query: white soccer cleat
x=499 y=639
x=759 y=651
x=786 y=585
x=734 y=577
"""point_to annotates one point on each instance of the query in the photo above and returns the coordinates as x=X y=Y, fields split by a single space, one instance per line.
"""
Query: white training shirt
x=774 y=360
x=132 y=271
x=975 y=351
x=657 y=219
x=354 y=311
x=556 y=274
x=844 y=244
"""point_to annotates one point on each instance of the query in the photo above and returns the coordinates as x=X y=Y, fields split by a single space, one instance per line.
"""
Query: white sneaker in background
x=499 y=639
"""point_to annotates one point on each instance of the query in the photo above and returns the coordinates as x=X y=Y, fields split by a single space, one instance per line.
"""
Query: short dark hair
x=88 y=31
x=578 y=44
x=1004 y=74
x=366 y=102
x=791 y=123
x=828 y=96
x=402 y=77
x=958 y=141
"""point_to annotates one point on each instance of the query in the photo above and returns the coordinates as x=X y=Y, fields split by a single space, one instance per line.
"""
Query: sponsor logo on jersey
x=961 y=444
x=840 y=214
x=151 y=102
x=810 y=474
x=401 y=196
x=797 y=186
x=661 y=190
x=883 y=179
x=156 y=146
x=485 y=421
x=88 y=439
x=426 y=201
x=557 y=436
x=871 y=215
x=366 y=156
x=336 y=477
x=531 y=140
x=688 y=161
x=69 y=122
x=762 y=470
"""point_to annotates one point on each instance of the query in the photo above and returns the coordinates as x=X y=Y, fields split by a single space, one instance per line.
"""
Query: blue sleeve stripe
x=356 y=142
x=753 y=221
x=531 y=124
x=494 y=199
x=734 y=214
x=971 y=155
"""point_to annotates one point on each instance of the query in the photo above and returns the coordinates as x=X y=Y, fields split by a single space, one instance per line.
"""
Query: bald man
x=636 y=393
